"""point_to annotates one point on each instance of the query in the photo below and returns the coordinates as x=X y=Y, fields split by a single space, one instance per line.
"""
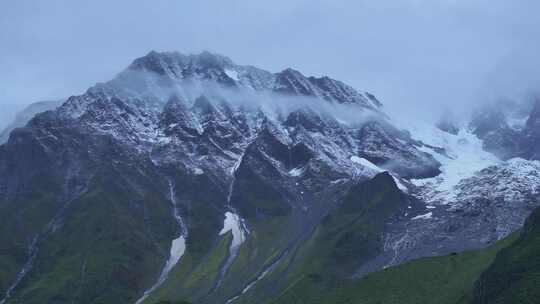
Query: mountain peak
x=291 y=72
x=221 y=69
x=178 y=65
x=213 y=59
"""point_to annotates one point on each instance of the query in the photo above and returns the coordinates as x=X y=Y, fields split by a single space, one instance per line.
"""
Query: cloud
x=147 y=84
x=418 y=56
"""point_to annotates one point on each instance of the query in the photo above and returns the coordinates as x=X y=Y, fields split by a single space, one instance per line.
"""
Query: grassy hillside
x=104 y=250
x=346 y=237
x=447 y=279
x=514 y=277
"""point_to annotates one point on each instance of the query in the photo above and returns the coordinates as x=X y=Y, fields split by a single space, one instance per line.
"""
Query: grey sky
x=415 y=55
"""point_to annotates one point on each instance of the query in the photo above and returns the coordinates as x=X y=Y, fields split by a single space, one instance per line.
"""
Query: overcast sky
x=415 y=55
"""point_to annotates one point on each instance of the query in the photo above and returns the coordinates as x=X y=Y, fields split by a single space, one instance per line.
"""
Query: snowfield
x=234 y=224
x=463 y=157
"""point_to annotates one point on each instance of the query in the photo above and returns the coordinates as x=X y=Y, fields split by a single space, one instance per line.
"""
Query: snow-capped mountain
x=204 y=111
x=192 y=177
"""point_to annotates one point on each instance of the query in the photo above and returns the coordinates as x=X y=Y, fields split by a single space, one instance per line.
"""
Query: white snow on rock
x=234 y=224
x=516 y=180
x=366 y=163
x=426 y=216
x=464 y=157
x=232 y=74
x=371 y=166
x=198 y=171
x=178 y=248
x=297 y=171
x=399 y=184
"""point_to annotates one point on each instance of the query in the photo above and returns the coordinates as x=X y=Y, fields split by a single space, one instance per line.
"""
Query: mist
x=142 y=84
x=419 y=57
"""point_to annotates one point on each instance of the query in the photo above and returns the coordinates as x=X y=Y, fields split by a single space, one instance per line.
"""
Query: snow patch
x=371 y=166
x=234 y=223
x=464 y=157
x=399 y=184
x=426 y=216
x=234 y=75
x=513 y=181
x=297 y=171
x=238 y=228
x=366 y=163
x=198 y=171
x=178 y=247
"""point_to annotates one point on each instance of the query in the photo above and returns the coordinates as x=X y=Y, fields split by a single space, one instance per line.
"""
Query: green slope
x=447 y=279
x=272 y=226
x=514 y=277
x=506 y=272
x=346 y=237
x=105 y=249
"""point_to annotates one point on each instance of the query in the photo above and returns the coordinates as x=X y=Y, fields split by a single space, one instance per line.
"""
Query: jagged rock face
x=515 y=181
x=217 y=137
x=177 y=66
x=510 y=135
x=207 y=66
x=491 y=125
x=394 y=151
x=488 y=120
x=487 y=207
x=209 y=133
x=504 y=143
